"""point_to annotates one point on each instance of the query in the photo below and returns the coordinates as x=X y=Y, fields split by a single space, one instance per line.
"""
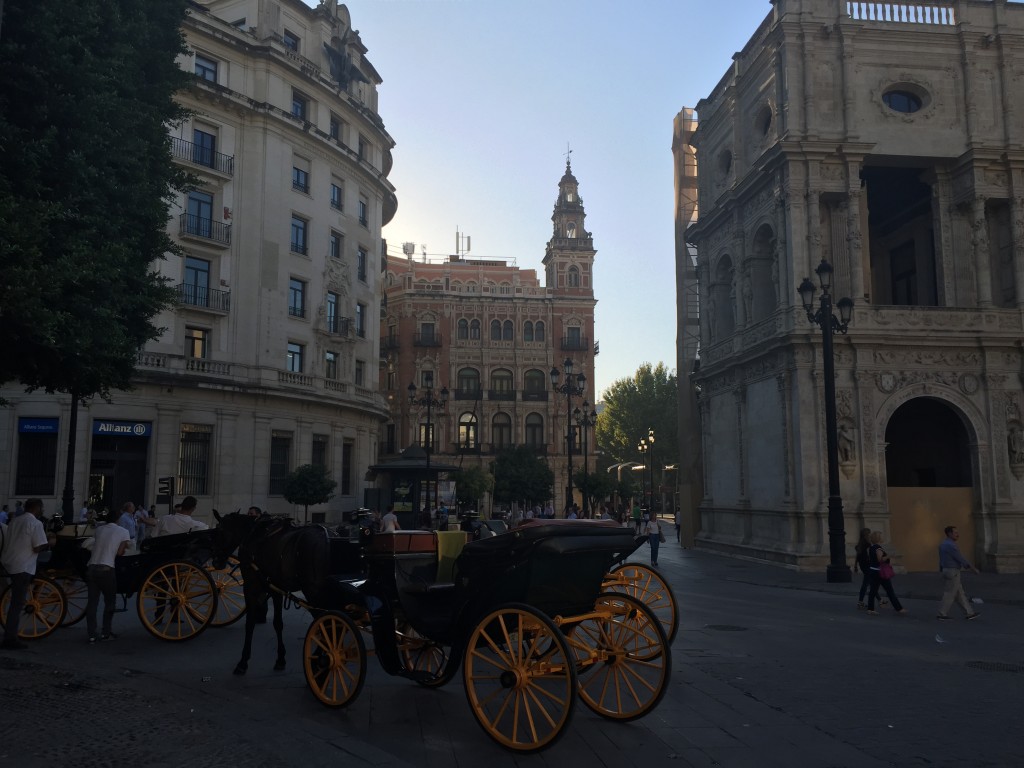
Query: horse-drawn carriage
x=525 y=616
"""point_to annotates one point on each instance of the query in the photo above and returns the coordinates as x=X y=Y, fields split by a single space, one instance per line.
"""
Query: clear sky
x=482 y=97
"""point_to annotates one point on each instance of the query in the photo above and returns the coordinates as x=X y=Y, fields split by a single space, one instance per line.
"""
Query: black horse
x=275 y=557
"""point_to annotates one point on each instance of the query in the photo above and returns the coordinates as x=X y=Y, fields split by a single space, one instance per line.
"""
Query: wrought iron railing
x=207 y=298
x=197 y=154
x=208 y=229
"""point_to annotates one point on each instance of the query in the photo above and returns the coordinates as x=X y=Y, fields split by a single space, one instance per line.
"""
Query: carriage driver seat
x=449 y=547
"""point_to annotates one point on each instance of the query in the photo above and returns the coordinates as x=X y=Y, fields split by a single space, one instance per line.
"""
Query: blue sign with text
x=38 y=426
x=123 y=428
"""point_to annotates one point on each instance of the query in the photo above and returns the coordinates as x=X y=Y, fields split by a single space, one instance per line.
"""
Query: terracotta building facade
x=885 y=138
x=490 y=332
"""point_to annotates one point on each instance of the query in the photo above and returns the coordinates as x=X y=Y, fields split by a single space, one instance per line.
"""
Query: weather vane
x=568 y=152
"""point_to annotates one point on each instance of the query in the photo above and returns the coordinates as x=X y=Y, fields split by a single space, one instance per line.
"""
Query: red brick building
x=490 y=332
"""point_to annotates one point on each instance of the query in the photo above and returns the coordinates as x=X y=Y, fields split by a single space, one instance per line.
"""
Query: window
x=474 y=329
x=194 y=459
x=196 y=342
x=505 y=289
x=199 y=219
x=206 y=69
x=299 y=243
x=196 y=288
x=361 y=320
x=364 y=211
x=319 y=452
x=390 y=439
x=501 y=431
x=573 y=336
x=331 y=365
x=364 y=148
x=337 y=196
x=360 y=373
x=508 y=331
x=427 y=379
x=535 y=381
x=294 y=359
x=902 y=101
x=290 y=40
x=574 y=277
x=296 y=298
x=334 y=127
x=335 y=243
x=467 y=431
x=570 y=230
x=462 y=331
x=348 y=450
x=332 y=312
x=427 y=333
x=469 y=381
x=300 y=179
x=528 y=331
x=501 y=381
x=538 y=331
x=280 y=462
x=37 y=457
x=361 y=263
x=495 y=330
x=300 y=106
x=535 y=430
x=204 y=147
x=426 y=437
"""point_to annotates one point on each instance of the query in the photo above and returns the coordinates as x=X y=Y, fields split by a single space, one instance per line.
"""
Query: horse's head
x=230 y=532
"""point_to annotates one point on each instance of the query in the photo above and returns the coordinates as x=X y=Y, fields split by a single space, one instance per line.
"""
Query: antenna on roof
x=463 y=243
x=423 y=249
x=408 y=249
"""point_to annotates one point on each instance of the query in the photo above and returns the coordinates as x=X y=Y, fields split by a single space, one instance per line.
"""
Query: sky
x=483 y=97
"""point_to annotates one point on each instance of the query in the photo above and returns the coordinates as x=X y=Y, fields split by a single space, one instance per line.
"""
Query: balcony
x=339 y=326
x=388 y=343
x=204 y=298
x=501 y=394
x=468 y=394
x=196 y=154
x=294 y=311
x=535 y=396
x=426 y=340
x=207 y=230
x=575 y=344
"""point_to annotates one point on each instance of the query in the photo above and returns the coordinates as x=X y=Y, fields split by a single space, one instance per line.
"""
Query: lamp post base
x=838 y=574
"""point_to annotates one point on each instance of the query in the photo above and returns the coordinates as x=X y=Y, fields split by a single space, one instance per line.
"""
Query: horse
x=275 y=557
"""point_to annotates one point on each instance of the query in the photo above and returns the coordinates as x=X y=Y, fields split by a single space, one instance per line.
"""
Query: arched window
x=538 y=331
x=528 y=331
x=501 y=431
x=502 y=385
x=535 y=430
x=570 y=229
x=474 y=329
x=468 y=387
x=495 y=330
x=535 y=383
x=574 y=277
x=467 y=431
x=508 y=332
x=463 y=328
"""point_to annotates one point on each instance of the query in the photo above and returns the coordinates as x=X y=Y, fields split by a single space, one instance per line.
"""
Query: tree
x=634 y=405
x=309 y=484
x=597 y=485
x=86 y=181
x=520 y=475
x=471 y=483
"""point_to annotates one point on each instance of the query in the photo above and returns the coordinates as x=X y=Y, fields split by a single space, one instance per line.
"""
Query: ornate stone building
x=883 y=137
x=269 y=359
x=490 y=332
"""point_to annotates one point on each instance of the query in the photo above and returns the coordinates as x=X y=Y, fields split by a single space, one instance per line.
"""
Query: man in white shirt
x=181 y=522
x=389 y=523
x=109 y=543
x=23 y=541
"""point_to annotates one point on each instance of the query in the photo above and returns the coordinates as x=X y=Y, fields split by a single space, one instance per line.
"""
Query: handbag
x=885 y=571
x=661 y=535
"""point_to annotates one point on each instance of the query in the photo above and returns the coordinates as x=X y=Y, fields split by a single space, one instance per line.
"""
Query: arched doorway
x=928 y=464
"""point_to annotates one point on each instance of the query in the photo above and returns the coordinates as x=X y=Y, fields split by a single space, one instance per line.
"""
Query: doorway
x=118 y=464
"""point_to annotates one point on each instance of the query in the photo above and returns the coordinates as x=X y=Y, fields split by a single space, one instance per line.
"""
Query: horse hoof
x=279 y=666
x=240 y=670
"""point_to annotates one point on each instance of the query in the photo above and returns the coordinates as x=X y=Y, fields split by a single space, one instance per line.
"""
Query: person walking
x=24 y=539
x=652 y=530
x=951 y=563
x=880 y=570
x=109 y=542
x=861 y=563
x=637 y=520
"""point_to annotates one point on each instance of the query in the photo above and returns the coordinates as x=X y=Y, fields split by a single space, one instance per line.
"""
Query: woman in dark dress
x=876 y=557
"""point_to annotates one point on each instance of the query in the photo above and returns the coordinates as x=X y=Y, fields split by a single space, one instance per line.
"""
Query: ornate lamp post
x=643 y=447
x=650 y=448
x=573 y=386
x=837 y=570
x=585 y=420
x=427 y=399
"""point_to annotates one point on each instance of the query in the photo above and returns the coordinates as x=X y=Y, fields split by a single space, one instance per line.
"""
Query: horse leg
x=252 y=600
x=279 y=629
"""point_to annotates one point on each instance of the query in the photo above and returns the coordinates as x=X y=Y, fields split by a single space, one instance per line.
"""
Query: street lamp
x=650 y=447
x=837 y=571
x=644 y=447
x=427 y=399
x=585 y=420
x=573 y=386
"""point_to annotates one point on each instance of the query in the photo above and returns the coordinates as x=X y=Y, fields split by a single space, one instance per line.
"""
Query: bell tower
x=569 y=259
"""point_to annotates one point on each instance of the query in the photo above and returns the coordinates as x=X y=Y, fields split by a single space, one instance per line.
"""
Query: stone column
x=854 y=236
x=979 y=241
x=1017 y=217
x=741 y=279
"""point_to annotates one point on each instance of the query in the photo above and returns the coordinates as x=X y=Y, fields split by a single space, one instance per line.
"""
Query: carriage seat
x=446 y=548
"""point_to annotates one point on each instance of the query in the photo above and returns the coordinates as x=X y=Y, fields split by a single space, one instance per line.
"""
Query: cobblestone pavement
x=771 y=668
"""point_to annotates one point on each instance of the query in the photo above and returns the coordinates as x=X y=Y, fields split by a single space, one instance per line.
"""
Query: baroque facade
x=269 y=358
x=490 y=332
x=883 y=137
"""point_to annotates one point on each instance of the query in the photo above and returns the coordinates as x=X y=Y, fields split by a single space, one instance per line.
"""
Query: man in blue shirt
x=951 y=562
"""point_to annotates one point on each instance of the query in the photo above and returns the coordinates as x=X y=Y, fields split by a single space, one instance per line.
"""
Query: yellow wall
x=917 y=519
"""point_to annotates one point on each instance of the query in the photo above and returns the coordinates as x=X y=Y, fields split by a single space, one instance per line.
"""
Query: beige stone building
x=269 y=360
x=886 y=138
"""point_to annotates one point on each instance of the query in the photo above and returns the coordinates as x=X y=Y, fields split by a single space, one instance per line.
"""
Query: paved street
x=771 y=668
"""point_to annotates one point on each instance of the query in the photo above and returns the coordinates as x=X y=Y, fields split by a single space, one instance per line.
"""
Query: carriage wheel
x=334 y=659
x=624 y=657
x=650 y=587
x=43 y=612
x=76 y=595
x=520 y=678
x=423 y=656
x=177 y=601
x=230 y=593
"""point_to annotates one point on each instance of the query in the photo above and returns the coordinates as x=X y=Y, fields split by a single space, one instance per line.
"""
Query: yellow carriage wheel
x=43 y=612
x=422 y=656
x=177 y=601
x=334 y=659
x=647 y=585
x=230 y=592
x=624 y=658
x=520 y=678
x=76 y=595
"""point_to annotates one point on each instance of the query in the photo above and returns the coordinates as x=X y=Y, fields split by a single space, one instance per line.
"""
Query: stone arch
x=761 y=271
x=721 y=300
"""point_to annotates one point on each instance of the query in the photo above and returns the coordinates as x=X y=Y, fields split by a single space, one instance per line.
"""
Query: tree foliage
x=632 y=406
x=520 y=475
x=597 y=486
x=309 y=484
x=86 y=179
x=472 y=483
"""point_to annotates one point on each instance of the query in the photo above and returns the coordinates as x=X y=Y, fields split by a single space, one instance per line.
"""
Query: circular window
x=902 y=101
